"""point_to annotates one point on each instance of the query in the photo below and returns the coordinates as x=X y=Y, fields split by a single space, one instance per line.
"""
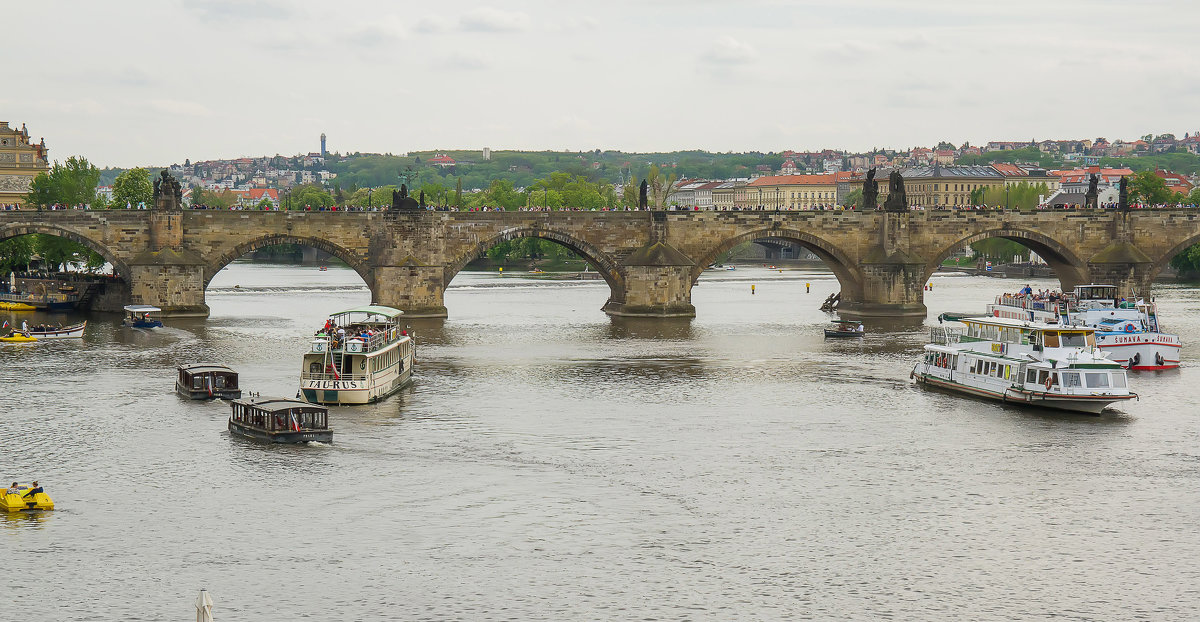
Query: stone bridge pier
x=649 y=260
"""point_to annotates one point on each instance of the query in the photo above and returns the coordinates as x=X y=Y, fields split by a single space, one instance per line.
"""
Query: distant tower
x=322 y=144
x=487 y=153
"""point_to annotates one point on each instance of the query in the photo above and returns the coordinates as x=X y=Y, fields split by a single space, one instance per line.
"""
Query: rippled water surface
x=553 y=463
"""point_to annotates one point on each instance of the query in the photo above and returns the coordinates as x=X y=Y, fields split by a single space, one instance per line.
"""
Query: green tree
x=132 y=188
x=75 y=181
x=854 y=199
x=58 y=253
x=1146 y=187
x=16 y=253
x=458 y=199
x=501 y=194
x=310 y=195
x=99 y=202
x=264 y=204
x=42 y=193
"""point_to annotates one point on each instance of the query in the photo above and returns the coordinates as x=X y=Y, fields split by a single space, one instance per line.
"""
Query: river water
x=552 y=463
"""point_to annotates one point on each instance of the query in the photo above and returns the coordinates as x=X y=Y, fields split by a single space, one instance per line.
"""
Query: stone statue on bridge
x=1123 y=194
x=643 y=201
x=897 y=200
x=402 y=202
x=1090 y=199
x=168 y=194
x=870 y=192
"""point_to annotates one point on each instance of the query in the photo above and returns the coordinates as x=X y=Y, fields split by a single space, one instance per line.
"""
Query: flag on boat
x=295 y=424
x=208 y=384
x=6 y=323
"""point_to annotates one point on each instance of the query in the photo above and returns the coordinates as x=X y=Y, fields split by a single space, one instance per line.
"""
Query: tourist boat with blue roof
x=360 y=356
x=1025 y=363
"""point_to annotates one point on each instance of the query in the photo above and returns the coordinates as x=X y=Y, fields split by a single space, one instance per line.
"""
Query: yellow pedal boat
x=16 y=306
x=17 y=338
x=26 y=501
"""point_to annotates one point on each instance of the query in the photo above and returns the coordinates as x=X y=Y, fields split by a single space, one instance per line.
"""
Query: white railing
x=323 y=376
x=944 y=335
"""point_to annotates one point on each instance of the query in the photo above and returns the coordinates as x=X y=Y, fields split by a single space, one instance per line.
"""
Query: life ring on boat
x=1129 y=328
x=1049 y=381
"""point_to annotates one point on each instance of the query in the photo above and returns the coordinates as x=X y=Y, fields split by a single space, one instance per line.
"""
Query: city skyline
x=637 y=77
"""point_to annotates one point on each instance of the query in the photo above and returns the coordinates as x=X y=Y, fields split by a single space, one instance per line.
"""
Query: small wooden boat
x=138 y=316
x=17 y=338
x=279 y=420
x=75 y=331
x=845 y=329
x=206 y=381
x=25 y=500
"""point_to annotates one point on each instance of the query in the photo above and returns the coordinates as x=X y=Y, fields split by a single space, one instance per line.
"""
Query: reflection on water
x=550 y=462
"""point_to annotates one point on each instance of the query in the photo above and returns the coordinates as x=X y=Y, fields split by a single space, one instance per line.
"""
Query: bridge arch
x=842 y=267
x=355 y=261
x=120 y=268
x=1070 y=269
x=605 y=265
x=1161 y=263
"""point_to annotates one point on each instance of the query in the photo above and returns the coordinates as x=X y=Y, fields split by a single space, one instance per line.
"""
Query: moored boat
x=279 y=420
x=138 y=316
x=361 y=355
x=1018 y=362
x=8 y=305
x=204 y=381
x=1129 y=332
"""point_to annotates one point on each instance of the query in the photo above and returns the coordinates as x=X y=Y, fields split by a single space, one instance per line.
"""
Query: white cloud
x=729 y=51
x=487 y=19
x=466 y=60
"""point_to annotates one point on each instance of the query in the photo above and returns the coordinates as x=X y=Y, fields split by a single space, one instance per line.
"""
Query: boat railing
x=1025 y=302
x=331 y=376
x=945 y=335
x=358 y=344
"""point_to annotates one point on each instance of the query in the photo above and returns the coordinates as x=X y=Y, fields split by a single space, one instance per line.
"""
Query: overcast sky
x=128 y=82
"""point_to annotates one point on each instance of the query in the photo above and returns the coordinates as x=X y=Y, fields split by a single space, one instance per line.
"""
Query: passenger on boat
x=33 y=489
x=13 y=490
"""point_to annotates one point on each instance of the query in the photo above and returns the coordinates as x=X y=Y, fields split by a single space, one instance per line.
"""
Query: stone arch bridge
x=650 y=260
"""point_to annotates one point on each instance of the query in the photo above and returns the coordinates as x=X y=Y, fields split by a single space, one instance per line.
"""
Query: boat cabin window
x=1031 y=376
x=1118 y=380
x=1070 y=380
x=1050 y=338
x=1097 y=380
x=1073 y=339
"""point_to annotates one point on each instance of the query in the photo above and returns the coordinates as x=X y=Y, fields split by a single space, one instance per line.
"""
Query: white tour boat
x=361 y=355
x=1028 y=363
x=1129 y=332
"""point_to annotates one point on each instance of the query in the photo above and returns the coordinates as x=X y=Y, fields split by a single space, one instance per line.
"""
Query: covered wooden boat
x=279 y=420
x=206 y=381
x=45 y=331
x=845 y=329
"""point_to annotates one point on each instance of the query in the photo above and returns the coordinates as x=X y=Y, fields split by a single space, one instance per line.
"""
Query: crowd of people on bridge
x=673 y=208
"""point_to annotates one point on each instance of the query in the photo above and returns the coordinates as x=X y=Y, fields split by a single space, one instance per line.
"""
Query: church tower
x=322 y=144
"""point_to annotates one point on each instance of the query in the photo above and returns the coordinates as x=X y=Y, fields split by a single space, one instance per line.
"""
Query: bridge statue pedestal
x=416 y=289
x=893 y=288
x=657 y=282
x=172 y=280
